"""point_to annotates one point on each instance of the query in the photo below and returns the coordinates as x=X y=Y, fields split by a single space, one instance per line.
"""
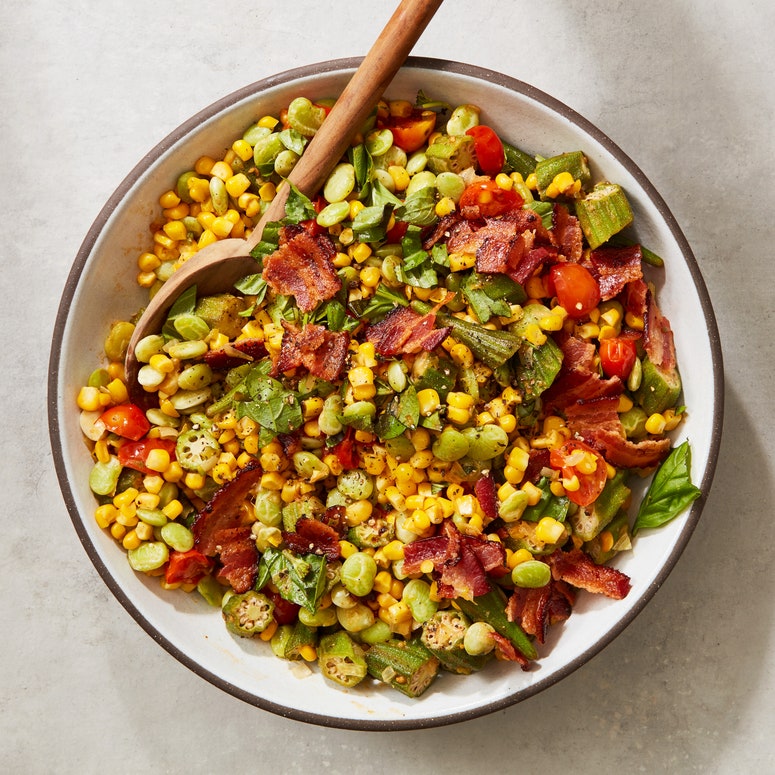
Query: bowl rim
x=344 y=65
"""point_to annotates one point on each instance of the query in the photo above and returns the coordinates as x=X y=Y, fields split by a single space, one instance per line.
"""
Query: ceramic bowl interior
x=101 y=289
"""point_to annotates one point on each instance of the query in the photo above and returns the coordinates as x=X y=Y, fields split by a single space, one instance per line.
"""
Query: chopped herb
x=185 y=304
x=300 y=580
x=419 y=209
x=383 y=301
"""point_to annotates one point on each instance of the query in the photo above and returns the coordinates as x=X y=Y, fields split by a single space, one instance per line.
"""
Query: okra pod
x=604 y=212
x=341 y=660
x=406 y=665
x=444 y=634
x=573 y=162
x=300 y=636
x=491 y=608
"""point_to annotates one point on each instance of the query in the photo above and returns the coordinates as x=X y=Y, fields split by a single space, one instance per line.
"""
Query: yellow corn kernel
x=237 y=184
x=382 y=582
x=588 y=331
x=198 y=189
x=147 y=500
x=398 y=613
x=89 y=399
x=420 y=438
x=458 y=416
x=158 y=460
x=105 y=515
x=194 y=481
x=221 y=170
x=117 y=530
x=393 y=551
x=147 y=262
x=267 y=634
x=445 y=206
x=334 y=464
x=518 y=557
x=243 y=149
x=607 y=332
x=421 y=459
x=360 y=252
x=370 y=276
x=656 y=423
x=634 y=321
x=504 y=181
x=205 y=219
x=395 y=498
x=361 y=379
x=204 y=165
x=267 y=192
x=571 y=484
x=206 y=238
x=268 y=122
x=346 y=548
x=508 y=422
x=222 y=227
x=672 y=420
x=429 y=401
x=126 y=497
x=174 y=473
x=357 y=512
x=625 y=403
x=131 y=540
x=606 y=540
x=308 y=652
x=462 y=355
x=459 y=262
x=533 y=493
x=173 y=509
x=169 y=199
x=460 y=400
x=549 y=530
x=557 y=489
x=446 y=507
x=400 y=177
x=505 y=490
x=144 y=531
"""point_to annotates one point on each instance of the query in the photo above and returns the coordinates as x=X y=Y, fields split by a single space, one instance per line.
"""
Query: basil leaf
x=300 y=580
x=383 y=301
x=482 y=304
x=419 y=209
x=362 y=163
x=185 y=304
x=538 y=367
x=298 y=208
x=370 y=224
x=253 y=285
x=380 y=195
x=275 y=409
x=670 y=492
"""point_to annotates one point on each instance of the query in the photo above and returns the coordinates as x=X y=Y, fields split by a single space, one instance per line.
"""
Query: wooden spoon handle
x=354 y=104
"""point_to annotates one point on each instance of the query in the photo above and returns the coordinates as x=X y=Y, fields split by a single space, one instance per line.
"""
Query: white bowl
x=101 y=288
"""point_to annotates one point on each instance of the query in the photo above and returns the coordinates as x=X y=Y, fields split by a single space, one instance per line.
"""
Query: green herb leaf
x=362 y=162
x=185 y=304
x=538 y=367
x=253 y=285
x=298 y=208
x=383 y=301
x=419 y=209
x=275 y=409
x=300 y=580
x=482 y=304
x=670 y=492
x=370 y=224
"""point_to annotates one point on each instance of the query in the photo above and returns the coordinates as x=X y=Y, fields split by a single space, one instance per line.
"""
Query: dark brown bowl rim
x=175 y=136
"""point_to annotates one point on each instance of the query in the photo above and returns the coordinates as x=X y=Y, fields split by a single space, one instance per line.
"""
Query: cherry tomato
x=573 y=459
x=488 y=149
x=313 y=228
x=285 y=612
x=575 y=287
x=133 y=454
x=396 y=234
x=126 y=420
x=186 y=567
x=345 y=451
x=411 y=132
x=490 y=198
x=617 y=356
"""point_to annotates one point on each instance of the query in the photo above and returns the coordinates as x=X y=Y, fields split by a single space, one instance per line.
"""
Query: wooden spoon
x=217 y=267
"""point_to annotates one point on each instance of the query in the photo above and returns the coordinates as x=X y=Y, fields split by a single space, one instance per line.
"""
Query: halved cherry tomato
x=313 y=228
x=617 y=356
x=411 y=132
x=345 y=451
x=126 y=420
x=133 y=454
x=396 y=234
x=490 y=198
x=285 y=612
x=574 y=459
x=575 y=287
x=488 y=149
x=186 y=567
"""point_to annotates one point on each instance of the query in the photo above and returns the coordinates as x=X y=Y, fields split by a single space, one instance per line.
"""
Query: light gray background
x=685 y=87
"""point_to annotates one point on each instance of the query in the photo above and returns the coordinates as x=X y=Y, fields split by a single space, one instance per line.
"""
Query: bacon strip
x=462 y=562
x=578 y=569
x=505 y=649
x=302 y=267
x=567 y=233
x=239 y=558
x=658 y=336
x=597 y=422
x=322 y=352
x=534 y=610
x=614 y=268
x=235 y=354
x=484 y=489
x=404 y=331
x=223 y=510
x=313 y=536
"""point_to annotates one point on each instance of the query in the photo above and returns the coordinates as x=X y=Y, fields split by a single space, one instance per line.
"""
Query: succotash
x=402 y=446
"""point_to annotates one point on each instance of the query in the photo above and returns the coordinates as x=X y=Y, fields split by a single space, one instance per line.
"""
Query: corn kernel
x=571 y=484
x=89 y=399
x=194 y=481
x=267 y=192
x=533 y=493
x=459 y=262
x=504 y=181
x=400 y=177
x=117 y=530
x=445 y=206
x=144 y=531
x=606 y=540
x=346 y=548
x=508 y=422
x=656 y=423
x=173 y=509
x=358 y=512
x=158 y=460
x=549 y=530
x=429 y=401
x=105 y=515
x=462 y=355
x=370 y=276
x=518 y=557
x=131 y=540
x=243 y=149
x=393 y=551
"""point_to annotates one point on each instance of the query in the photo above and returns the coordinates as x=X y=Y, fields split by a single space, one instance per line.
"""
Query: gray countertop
x=685 y=88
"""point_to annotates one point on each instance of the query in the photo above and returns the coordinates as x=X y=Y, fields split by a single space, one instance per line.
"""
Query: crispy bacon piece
x=404 y=331
x=658 y=336
x=313 y=537
x=462 y=562
x=614 y=268
x=536 y=609
x=567 y=233
x=484 y=489
x=235 y=354
x=334 y=517
x=238 y=557
x=444 y=229
x=320 y=351
x=538 y=459
x=223 y=510
x=302 y=267
x=634 y=298
x=579 y=385
x=505 y=649
x=579 y=570
x=597 y=422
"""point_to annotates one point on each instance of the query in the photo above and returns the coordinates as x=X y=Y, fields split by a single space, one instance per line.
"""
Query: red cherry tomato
x=133 y=454
x=617 y=356
x=575 y=287
x=490 y=198
x=285 y=612
x=396 y=234
x=488 y=149
x=186 y=567
x=411 y=132
x=127 y=420
x=574 y=459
